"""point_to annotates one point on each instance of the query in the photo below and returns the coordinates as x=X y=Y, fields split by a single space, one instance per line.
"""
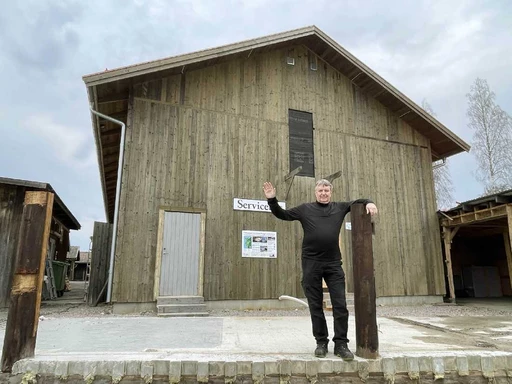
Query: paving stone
x=132 y=368
x=450 y=364
x=243 y=367
x=425 y=364
x=363 y=370
x=325 y=366
x=438 y=368
x=216 y=368
x=488 y=366
x=462 y=366
x=146 y=371
x=161 y=367
x=202 y=372
x=174 y=372
x=271 y=368
x=258 y=371
x=189 y=368
x=118 y=371
x=474 y=363
x=298 y=367
x=230 y=369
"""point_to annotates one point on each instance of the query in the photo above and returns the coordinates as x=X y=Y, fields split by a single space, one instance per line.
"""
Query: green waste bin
x=60 y=271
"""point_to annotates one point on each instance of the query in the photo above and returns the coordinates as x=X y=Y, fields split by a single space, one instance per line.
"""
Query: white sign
x=348 y=226
x=259 y=244
x=253 y=205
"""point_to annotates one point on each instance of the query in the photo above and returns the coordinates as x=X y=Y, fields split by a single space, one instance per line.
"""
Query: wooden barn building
x=205 y=130
x=12 y=197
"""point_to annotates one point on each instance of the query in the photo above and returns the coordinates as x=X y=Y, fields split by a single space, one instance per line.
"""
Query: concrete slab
x=230 y=347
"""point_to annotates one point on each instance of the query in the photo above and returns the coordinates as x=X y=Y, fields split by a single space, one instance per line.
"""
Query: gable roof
x=108 y=90
x=60 y=211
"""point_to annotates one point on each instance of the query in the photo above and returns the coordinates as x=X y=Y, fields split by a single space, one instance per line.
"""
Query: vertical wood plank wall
x=100 y=261
x=226 y=132
x=11 y=211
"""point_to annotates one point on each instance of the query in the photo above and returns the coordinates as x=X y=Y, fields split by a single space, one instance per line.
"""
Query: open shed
x=477 y=247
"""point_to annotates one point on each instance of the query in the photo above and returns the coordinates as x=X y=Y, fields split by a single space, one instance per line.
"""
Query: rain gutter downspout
x=118 y=193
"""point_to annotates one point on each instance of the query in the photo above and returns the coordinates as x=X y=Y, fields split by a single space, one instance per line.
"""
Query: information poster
x=259 y=244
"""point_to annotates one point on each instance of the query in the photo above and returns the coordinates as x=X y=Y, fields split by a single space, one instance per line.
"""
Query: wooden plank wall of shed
x=226 y=132
x=100 y=261
x=11 y=211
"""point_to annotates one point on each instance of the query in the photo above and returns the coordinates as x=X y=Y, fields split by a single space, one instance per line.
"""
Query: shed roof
x=108 y=92
x=486 y=215
x=60 y=211
x=74 y=252
x=488 y=201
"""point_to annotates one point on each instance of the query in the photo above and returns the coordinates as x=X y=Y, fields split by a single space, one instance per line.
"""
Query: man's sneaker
x=341 y=350
x=321 y=350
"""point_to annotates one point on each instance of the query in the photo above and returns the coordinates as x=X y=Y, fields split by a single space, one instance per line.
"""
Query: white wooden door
x=180 y=254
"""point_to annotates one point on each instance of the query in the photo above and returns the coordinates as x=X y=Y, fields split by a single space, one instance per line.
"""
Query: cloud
x=82 y=236
x=67 y=143
x=41 y=36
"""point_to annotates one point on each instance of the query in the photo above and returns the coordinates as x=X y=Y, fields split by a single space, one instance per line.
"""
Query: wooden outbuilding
x=477 y=247
x=204 y=131
x=12 y=196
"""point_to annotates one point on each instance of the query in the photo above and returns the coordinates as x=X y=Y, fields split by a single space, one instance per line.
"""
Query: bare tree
x=491 y=139
x=442 y=179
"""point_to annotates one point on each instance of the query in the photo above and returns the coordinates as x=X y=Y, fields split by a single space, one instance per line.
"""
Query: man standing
x=321 y=259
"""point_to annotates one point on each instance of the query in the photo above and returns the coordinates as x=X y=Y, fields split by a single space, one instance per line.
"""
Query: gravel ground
x=387 y=311
x=82 y=310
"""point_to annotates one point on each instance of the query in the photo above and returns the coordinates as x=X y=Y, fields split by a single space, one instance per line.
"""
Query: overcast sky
x=429 y=50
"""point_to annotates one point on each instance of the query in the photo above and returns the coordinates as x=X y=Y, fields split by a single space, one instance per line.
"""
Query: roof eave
x=211 y=53
x=93 y=100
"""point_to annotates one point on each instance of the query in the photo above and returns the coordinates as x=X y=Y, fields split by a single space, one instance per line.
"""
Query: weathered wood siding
x=202 y=138
x=100 y=262
x=11 y=211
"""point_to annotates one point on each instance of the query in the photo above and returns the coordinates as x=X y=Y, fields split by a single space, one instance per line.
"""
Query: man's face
x=323 y=194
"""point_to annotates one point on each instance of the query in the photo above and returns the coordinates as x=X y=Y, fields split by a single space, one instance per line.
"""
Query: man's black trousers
x=334 y=276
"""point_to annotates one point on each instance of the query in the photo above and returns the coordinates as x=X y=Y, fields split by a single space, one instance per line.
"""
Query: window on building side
x=301 y=142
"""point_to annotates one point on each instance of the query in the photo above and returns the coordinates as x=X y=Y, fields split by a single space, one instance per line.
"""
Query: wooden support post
x=367 y=339
x=507 y=235
x=23 y=316
x=447 y=237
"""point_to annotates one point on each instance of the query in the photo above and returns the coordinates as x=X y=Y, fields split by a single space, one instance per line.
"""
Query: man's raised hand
x=371 y=209
x=269 y=190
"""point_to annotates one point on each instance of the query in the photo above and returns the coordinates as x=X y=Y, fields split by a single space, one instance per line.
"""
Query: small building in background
x=72 y=257
x=81 y=266
x=12 y=196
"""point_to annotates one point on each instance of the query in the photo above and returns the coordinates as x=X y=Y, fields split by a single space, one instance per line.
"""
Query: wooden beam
x=119 y=115
x=293 y=173
x=502 y=200
x=367 y=339
x=333 y=177
x=25 y=301
x=467 y=208
x=508 y=242
x=478 y=216
x=447 y=236
x=113 y=98
x=454 y=232
x=290 y=177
